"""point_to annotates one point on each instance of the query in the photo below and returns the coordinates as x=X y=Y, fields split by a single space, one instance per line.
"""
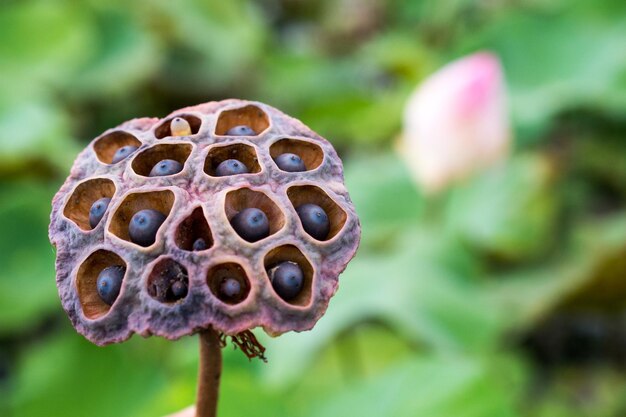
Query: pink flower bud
x=457 y=122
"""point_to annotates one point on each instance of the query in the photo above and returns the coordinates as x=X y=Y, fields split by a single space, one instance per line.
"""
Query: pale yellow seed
x=180 y=127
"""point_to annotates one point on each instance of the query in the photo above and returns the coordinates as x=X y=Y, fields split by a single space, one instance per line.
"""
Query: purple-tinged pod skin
x=82 y=252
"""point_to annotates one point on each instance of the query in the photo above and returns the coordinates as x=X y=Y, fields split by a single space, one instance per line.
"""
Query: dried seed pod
x=198 y=272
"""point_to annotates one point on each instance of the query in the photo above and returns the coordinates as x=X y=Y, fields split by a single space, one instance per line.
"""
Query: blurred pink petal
x=457 y=122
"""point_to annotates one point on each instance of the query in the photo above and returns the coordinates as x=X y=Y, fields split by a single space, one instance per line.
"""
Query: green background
x=459 y=305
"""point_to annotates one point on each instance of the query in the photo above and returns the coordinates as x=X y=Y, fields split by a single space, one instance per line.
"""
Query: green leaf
x=211 y=42
x=364 y=118
x=68 y=376
x=34 y=129
x=386 y=202
x=43 y=41
x=446 y=386
x=529 y=294
x=27 y=278
x=124 y=56
x=509 y=211
x=346 y=99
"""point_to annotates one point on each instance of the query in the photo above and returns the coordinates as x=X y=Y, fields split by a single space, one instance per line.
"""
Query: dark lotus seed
x=123 y=153
x=144 y=225
x=290 y=162
x=170 y=284
x=251 y=224
x=109 y=283
x=287 y=280
x=97 y=210
x=199 y=244
x=166 y=167
x=231 y=167
x=178 y=290
x=230 y=289
x=314 y=220
x=241 y=130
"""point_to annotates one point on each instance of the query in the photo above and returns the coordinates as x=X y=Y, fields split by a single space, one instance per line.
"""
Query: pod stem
x=209 y=373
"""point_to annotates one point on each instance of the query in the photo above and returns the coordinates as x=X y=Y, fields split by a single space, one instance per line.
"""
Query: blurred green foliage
x=431 y=316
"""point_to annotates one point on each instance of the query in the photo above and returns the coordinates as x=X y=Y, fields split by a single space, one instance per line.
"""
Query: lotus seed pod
x=194 y=270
